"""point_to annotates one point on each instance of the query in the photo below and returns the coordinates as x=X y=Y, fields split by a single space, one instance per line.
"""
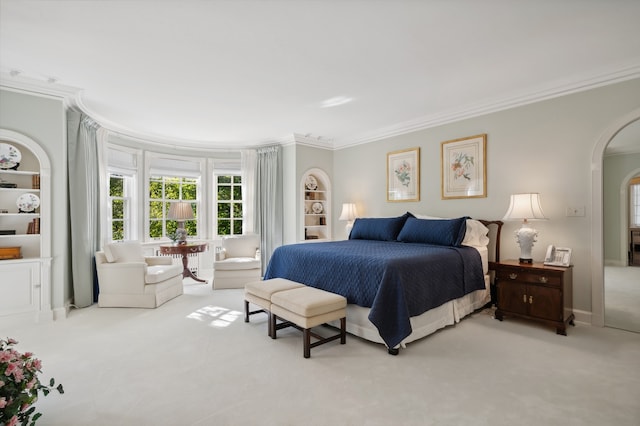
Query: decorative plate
x=317 y=208
x=10 y=156
x=311 y=182
x=28 y=203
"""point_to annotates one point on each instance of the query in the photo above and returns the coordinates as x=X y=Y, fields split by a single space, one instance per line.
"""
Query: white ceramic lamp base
x=526 y=236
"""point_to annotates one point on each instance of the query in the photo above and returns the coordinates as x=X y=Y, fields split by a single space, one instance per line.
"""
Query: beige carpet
x=194 y=361
x=622 y=297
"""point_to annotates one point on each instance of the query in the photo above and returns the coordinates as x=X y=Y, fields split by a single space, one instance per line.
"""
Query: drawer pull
x=513 y=276
x=531 y=300
x=543 y=280
x=524 y=298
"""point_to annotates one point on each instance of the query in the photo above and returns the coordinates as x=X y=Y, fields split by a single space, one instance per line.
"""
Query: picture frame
x=464 y=167
x=403 y=175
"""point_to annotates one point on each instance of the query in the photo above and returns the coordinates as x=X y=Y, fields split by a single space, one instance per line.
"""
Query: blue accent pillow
x=380 y=229
x=444 y=232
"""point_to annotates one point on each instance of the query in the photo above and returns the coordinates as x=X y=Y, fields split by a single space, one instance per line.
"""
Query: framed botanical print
x=464 y=167
x=403 y=175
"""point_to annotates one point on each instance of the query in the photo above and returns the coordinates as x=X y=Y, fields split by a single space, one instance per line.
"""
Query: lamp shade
x=524 y=207
x=349 y=212
x=180 y=211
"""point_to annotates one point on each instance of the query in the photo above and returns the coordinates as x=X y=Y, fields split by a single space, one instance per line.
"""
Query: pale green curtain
x=248 y=168
x=84 y=213
x=268 y=195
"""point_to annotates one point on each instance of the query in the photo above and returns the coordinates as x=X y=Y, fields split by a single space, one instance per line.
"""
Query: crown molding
x=515 y=99
x=44 y=88
x=313 y=141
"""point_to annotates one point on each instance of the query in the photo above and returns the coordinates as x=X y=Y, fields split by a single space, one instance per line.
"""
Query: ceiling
x=244 y=73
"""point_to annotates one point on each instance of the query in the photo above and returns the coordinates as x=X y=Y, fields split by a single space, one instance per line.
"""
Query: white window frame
x=232 y=174
x=165 y=165
x=634 y=204
x=129 y=185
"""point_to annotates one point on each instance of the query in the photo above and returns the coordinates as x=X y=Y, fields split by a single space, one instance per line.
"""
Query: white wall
x=544 y=147
x=43 y=119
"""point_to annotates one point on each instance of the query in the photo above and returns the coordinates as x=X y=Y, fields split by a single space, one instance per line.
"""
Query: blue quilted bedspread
x=396 y=280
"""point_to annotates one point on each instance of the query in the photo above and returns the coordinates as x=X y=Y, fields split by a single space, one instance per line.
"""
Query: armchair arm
x=126 y=277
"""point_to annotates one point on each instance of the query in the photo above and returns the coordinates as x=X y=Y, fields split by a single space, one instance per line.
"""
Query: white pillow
x=475 y=236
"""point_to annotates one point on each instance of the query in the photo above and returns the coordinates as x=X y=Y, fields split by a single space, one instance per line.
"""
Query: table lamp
x=181 y=211
x=525 y=207
x=349 y=213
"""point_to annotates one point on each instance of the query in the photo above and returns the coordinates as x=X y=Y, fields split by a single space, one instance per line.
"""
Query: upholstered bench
x=260 y=292
x=306 y=307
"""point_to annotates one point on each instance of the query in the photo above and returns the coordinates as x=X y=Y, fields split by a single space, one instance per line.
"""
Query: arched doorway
x=597 y=249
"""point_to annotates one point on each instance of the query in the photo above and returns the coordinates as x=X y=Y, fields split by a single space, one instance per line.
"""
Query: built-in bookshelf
x=25 y=234
x=316 y=205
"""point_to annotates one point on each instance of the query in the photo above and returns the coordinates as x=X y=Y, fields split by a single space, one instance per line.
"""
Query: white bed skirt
x=429 y=322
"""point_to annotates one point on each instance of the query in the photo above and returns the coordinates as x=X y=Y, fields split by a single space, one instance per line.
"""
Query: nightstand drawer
x=537 y=277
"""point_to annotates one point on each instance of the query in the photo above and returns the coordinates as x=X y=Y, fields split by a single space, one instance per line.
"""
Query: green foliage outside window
x=162 y=191
x=117 y=198
x=229 y=205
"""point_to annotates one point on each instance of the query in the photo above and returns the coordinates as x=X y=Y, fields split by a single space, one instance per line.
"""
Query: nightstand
x=536 y=292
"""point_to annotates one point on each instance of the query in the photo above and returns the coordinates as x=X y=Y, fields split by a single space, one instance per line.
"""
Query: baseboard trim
x=583 y=317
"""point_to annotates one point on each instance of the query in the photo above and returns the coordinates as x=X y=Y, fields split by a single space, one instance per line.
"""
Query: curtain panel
x=248 y=170
x=268 y=196
x=84 y=203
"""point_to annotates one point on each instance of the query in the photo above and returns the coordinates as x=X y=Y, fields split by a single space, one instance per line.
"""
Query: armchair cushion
x=159 y=273
x=236 y=263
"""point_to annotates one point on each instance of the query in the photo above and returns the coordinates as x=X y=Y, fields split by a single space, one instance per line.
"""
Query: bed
x=404 y=277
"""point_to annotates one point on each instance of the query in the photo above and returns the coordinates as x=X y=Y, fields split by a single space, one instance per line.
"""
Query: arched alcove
x=31 y=286
x=597 y=226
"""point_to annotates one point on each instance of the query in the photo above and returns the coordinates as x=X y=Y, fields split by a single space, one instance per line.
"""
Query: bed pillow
x=378 y=228
x=443 y=232
x=476 y=234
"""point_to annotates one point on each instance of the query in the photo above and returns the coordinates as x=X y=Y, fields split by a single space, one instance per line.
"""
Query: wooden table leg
x=186 y=272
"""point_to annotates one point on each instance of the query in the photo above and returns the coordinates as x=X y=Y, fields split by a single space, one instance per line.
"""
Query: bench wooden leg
x=307 y=343
x=343 y=330
x=246 y=311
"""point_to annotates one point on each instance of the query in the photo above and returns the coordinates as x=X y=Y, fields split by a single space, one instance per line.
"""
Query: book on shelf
x=35 y=181
x=34 y=226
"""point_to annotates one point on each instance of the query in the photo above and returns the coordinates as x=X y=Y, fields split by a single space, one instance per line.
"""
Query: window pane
x=172 y=189
x=116 y=186
x=237 y=227
x=117 y=231
x=155 y=190
x=237 y=179
x=192 y=227
x=155 y=209
x=224 y=210
x=155 y=229
x=171 y=225
x=189 y=191
x=237 y=210
x=224 y=179
x=117 y=207
x=224 y=227
x=237 y=193
x=224 y=193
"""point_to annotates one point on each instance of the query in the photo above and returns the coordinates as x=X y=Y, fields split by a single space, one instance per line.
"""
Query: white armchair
x=128 y=279
x=238 y=262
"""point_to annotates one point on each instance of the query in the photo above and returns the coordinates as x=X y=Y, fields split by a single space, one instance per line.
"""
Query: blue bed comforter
x=396 y=280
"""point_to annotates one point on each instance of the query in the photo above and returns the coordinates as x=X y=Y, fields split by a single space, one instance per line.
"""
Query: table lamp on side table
x=181 y=211
x=349 y=213
x=525 y=207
